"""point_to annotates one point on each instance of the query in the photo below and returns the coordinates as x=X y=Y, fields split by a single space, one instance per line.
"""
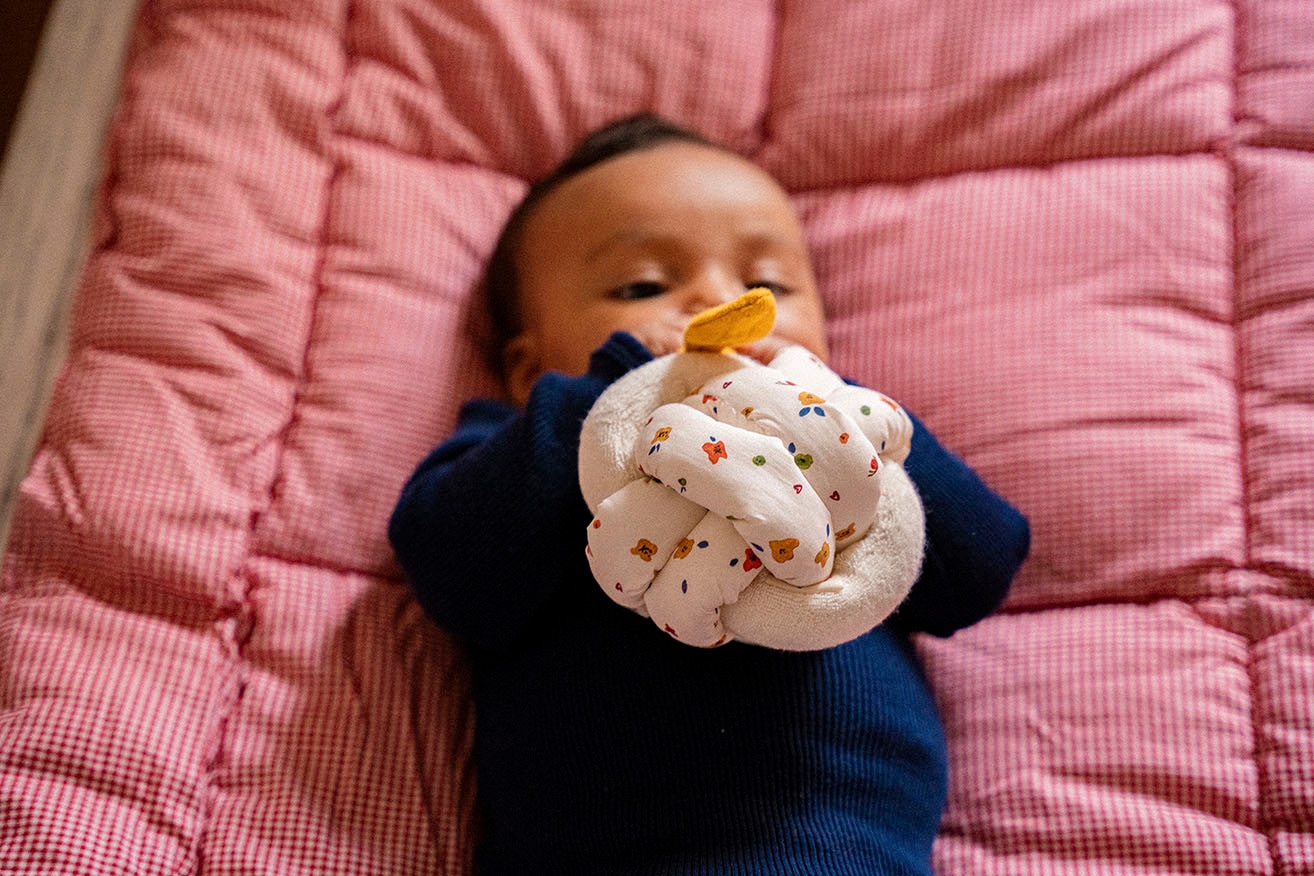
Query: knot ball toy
x=739 y=501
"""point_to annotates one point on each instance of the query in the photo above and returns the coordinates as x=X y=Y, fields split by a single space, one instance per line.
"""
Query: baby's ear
x=521 y=363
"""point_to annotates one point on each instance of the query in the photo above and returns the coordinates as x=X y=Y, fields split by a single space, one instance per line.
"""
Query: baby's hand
x=659 y=342
x=764 y=350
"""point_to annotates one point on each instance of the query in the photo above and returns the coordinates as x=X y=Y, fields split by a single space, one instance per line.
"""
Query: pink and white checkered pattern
x=1075 y=237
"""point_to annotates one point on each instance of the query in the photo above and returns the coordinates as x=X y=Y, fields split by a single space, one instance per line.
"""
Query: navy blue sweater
x=604 y=746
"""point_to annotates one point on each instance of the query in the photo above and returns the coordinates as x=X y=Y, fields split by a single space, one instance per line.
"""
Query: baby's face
x=643 y=242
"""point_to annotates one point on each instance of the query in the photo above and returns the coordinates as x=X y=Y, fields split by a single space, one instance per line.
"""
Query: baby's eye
x=635 y=291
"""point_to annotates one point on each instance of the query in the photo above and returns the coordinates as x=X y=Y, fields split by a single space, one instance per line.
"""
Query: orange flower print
x=644 y=550
x=683 y=549
x=782 y=550
x=822 y=555
x=656 y=443
x=715 y=450
x=846 y=532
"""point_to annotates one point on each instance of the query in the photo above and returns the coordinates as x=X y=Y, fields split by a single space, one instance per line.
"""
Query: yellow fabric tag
x=748 y=318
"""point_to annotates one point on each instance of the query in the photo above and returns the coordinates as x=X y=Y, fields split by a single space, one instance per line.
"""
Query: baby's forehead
x=664 y=189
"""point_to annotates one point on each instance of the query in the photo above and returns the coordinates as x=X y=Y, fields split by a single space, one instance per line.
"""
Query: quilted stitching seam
x=239 y=627
x=1263 y=783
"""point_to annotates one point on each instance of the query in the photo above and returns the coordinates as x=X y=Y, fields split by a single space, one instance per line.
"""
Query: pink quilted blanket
x=1074 y=237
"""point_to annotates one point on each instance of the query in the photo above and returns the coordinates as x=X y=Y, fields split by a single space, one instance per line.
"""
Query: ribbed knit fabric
x=602 y=746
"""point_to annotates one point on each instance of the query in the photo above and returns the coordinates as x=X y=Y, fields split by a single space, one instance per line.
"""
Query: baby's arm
x=481 y=526
x=975 y=543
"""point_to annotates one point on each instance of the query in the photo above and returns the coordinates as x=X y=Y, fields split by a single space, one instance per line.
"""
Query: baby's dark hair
x=501 y=277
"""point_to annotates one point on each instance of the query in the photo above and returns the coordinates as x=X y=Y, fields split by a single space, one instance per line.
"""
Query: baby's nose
x=710 y=289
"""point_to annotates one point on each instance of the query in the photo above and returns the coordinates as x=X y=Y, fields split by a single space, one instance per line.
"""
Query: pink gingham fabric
x=1074 y=237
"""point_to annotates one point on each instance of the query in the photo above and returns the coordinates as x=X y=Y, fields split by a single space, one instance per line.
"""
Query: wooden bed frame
x=47 y=185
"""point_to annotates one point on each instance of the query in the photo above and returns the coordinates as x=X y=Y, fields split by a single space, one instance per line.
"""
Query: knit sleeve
x=481 y=525
x=975 y=543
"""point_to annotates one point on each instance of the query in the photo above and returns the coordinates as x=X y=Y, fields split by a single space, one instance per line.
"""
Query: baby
x=602 y=745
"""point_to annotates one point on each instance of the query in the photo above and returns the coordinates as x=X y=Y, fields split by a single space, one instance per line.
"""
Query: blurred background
x=20 y=21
